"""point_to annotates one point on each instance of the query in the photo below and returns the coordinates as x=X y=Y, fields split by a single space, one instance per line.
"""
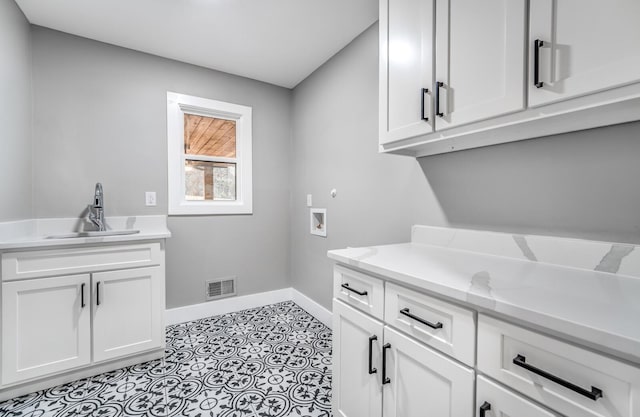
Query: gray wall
x=100 y=115
x=335 y=135
x=15 y=114
x=583 y=184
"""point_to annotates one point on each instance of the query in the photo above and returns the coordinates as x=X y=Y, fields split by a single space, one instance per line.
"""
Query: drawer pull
x=82 y=304
x=347 y=287
x=385 y=378
x=371 y=339
x=594 y=394
x=484 y=408
x=98 y=293
x=405 y=312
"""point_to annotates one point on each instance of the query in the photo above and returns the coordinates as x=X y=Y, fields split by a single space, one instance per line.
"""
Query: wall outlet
x=309 y=200
x=150 y=198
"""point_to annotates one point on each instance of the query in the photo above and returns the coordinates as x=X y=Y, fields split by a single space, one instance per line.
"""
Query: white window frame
x=177 y=106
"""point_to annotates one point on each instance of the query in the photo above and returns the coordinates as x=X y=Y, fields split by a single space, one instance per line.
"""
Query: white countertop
x=589 y=293
x=35 y=233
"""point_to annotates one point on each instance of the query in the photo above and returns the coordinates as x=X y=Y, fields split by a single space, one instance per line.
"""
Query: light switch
x=309 y=200
x=150 y=198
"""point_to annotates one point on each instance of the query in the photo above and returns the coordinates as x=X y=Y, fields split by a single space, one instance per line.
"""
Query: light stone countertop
x=584 y=291
x=34 y=233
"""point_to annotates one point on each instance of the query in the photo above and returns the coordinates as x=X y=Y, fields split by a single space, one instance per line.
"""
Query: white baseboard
x=229 y=305
x=313 y=308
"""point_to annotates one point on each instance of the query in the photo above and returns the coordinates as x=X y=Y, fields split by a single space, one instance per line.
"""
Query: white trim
x=227 y=305
x=177 y=106
x=316 y=310
x=230 y=305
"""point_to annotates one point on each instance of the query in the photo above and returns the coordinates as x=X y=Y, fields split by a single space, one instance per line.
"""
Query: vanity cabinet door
x=128 y=312
x=357 y=342
x=45 y=326
x=422 y=381
x=587 y=46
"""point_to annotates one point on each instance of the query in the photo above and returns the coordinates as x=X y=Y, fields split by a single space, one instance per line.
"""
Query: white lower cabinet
x=55 y=324
x=421 y=381
x=45 y=326
x=379 y=372
x=357 y=343
x=492 y=400
x=126 y=319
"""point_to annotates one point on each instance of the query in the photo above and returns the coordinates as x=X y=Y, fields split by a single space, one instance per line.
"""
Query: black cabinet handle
x=405 y=311
x=537 y=44
x=371 y=339
x=98 y=293
x=594 y=394
x=385 y=378
x=347 y=287
x=484 y=408
x=424 y=91
x=82 y=295
x=438 y=112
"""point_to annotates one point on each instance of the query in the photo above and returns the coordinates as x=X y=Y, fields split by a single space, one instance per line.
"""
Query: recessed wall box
x=318 y=221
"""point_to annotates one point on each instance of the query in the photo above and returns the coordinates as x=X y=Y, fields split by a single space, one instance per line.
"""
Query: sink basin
x=94 y=234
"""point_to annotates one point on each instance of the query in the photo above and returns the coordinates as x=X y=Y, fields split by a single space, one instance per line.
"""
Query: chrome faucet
x=96 y=210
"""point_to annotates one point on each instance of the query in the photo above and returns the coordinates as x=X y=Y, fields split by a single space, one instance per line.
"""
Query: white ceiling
x=276 y=41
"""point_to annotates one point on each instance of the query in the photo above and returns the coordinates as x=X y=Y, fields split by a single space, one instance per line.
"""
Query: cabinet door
x=45 y=326
x=423 y=382
x=492 y=400
x=406 y=68
x=587 y=46
x=480 y=59
x=127 y=312
x=356 y=391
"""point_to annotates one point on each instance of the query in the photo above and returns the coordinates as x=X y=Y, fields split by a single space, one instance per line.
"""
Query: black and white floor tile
x=271 y=361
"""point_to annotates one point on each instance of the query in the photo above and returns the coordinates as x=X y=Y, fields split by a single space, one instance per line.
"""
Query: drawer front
x=560 y=375
x=34 y=264
x=444 y=326
x=358 y=290
x=494 y=400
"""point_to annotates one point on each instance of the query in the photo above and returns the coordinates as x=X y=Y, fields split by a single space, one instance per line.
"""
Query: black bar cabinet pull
x=347 y=287
x=484 y=408
x=82 y=295
x=98 y=293
x=424 y=91
x=371 y=339
x=405 y=312
x=385 y=378
x=594 y=394
x=537 y=44
x=438 y=112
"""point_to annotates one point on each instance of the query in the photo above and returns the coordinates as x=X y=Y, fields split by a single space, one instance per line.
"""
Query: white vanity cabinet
x=45 y=326
x=583 y=47
x=73 y=308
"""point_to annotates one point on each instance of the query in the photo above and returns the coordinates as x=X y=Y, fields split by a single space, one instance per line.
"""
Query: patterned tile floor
x=272 y=361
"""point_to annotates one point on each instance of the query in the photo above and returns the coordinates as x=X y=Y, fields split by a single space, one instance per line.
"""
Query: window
x=209 y=156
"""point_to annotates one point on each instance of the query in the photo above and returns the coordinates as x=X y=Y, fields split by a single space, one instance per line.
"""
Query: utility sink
x=94 y=234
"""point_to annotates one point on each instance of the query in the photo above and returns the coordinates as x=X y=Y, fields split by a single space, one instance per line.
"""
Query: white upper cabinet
x=480 y=60
x=406 y=68
x=587 y=46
